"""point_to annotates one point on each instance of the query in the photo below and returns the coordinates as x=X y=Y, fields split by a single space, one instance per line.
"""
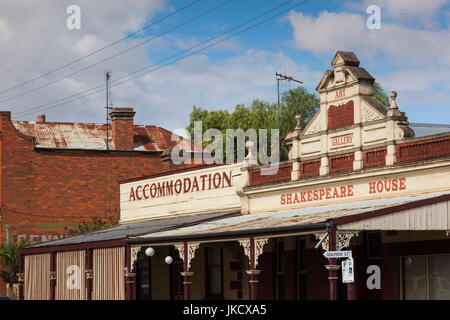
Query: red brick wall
x=421 y=150
x=341 y=116
x=342 y=163
x=374 y=157
x=44 y=192
x=310 y=168
x=283 y=174
x=122 y=134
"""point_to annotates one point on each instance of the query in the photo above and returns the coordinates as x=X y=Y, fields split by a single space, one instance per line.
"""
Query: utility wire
x=101 y=49
x=47 y=106
x=117 y=54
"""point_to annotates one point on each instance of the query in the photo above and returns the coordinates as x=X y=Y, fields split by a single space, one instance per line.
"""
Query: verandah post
x=186 y=274
x=332 y=266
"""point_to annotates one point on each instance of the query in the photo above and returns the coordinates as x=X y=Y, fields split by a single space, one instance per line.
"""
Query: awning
x=313 y=218
x=122 y=231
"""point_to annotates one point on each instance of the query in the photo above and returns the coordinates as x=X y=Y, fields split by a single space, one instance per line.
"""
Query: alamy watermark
x=374 y=20
x=234 y=143
x=73 y=21
x=73 y=281
x=374 y=280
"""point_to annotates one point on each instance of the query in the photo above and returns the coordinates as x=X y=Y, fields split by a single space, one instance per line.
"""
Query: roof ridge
x=59 y=122
x=434 y=125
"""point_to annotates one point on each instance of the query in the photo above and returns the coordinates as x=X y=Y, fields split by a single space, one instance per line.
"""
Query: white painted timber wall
x=196 y=202
x=431 y=217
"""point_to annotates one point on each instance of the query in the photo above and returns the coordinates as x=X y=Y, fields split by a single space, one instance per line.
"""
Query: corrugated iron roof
x=249 y=223
x=428 y=129
x=92 y=136
x=121 y=231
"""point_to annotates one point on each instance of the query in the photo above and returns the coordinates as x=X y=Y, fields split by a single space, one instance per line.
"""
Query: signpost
x=348 y=271
x=337 y=254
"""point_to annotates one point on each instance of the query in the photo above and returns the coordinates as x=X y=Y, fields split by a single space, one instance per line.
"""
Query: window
x=374 y=245
x=301 y=269
x=143 y=277
x=279 y=269
x=426 y=277
x=214 y=272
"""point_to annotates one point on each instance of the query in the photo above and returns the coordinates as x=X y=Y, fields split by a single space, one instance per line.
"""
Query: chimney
x=41 y=118
x=5 y=120
x=122 y=128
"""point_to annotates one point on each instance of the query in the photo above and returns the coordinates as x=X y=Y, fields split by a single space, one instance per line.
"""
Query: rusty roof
x=92 y=136
x=288 y=219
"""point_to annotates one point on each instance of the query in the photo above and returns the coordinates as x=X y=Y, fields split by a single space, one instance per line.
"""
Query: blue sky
x=409 y=54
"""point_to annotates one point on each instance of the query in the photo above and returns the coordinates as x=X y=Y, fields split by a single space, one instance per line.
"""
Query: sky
x=409 y=53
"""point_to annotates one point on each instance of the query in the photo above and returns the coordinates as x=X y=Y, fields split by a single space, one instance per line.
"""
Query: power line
x=117 y=54
x=34 y=109
x=37 y=108
x=101 y=49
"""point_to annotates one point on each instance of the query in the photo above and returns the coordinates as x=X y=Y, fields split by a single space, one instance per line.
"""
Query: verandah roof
x=313 y=218
x=121 y=231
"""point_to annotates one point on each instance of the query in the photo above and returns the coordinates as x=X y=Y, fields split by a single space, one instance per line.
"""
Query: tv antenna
x=282 y=77
x=108 y=83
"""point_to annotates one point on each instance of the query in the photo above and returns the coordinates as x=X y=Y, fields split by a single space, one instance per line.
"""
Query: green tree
x=380 y=95
x=86 y=227
x=9 y=260
x=260 y=115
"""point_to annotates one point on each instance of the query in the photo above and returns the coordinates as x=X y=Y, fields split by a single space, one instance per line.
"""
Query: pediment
x=371 y=109
x=313 y=125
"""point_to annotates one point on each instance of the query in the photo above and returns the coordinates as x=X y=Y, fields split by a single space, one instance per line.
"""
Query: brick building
x=56 y=175
x=360 y=178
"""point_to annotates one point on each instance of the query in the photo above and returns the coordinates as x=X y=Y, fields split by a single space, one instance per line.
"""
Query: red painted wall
x=317 y=275
x=266 y=279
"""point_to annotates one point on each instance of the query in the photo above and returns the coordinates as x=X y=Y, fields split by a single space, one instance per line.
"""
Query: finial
x=251 y=156
x=298 y=117
x=393 y=97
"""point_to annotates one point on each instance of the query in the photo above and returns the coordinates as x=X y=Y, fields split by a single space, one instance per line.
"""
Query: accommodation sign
x=178 y=186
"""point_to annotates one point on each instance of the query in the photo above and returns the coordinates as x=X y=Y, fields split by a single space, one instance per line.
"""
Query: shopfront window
x=426 y=277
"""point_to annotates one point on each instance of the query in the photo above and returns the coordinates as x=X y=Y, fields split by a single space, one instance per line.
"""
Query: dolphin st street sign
x=337 y=254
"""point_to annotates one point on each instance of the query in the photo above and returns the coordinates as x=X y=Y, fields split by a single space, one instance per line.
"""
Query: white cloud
x=418 y=11
x=42 y=42
x=212 y=85
x=330 y=31
x=87 y=44
x=5 y=31
x=413 y=61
